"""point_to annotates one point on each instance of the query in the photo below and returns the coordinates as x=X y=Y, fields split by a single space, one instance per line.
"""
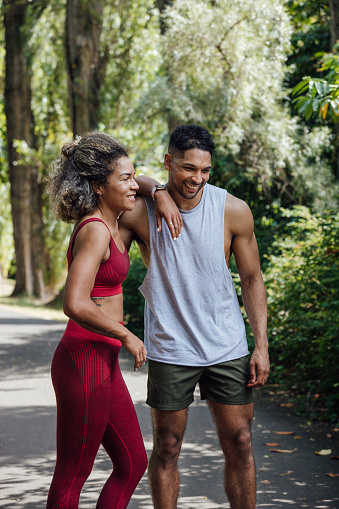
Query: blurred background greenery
x=261 y=75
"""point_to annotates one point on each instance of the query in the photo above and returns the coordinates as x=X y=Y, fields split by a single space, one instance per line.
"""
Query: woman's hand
x=136 y=347
x=166 y=208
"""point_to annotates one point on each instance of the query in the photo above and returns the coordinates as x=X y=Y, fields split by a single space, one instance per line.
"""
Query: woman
x=91 y=183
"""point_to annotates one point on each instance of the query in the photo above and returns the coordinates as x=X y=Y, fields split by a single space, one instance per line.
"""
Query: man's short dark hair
x=188 y=136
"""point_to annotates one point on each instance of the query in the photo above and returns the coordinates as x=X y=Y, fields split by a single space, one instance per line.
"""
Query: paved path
x=27 y=437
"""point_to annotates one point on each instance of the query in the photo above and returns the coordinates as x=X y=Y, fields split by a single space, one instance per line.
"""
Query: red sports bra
x=111 y=273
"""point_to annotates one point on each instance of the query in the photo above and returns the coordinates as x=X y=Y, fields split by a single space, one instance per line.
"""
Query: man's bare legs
x=233 y=424
x=168 y=433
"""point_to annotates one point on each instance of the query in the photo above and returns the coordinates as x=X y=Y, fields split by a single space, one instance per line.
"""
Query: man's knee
x=239 y=445
x=167 y=447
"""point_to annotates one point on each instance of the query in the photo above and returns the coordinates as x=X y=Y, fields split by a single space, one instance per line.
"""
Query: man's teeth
x=191 y=187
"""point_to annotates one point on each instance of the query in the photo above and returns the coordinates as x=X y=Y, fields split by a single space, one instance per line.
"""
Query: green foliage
x=302 y=281
x=310 y=20
x=320 y=96
x=224 y=67
x=133 y=300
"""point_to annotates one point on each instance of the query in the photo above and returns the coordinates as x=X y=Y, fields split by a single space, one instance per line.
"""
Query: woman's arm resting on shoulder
x=92 y=243
x=245 y=249
x=165 y=206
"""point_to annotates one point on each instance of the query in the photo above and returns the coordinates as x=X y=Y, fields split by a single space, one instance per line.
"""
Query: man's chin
x=190 y=196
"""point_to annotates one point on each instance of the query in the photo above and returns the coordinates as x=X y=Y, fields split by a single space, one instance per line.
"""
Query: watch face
x=160 y=187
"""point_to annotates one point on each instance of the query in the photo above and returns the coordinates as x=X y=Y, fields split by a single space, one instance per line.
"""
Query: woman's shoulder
x=91 y=230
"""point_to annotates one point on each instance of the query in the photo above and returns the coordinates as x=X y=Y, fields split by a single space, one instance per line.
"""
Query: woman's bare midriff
x=111 y=306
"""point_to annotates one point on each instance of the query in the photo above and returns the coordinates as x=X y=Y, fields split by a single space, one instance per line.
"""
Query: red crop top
x=111 y=273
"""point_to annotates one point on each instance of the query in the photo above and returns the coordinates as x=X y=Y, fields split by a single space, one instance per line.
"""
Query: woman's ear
x=96 y=188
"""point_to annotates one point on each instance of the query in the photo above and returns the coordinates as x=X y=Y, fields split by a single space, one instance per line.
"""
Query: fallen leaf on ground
x=288 y=473
x=284 y=432
x=265 y=482
x=334 y=457
x=332 y=475
x=283 y=450
x=297 y=437
x=335 y=429
x=287 y=405
x=273 y=444
x=323 y=452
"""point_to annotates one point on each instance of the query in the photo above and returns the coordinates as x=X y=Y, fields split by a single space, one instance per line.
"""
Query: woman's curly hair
x=92 y=158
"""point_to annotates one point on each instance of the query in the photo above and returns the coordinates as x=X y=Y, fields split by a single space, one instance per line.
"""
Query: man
x=194 y=331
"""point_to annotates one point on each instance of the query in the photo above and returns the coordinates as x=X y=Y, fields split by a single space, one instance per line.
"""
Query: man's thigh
x=227 y=382
x=170 y=387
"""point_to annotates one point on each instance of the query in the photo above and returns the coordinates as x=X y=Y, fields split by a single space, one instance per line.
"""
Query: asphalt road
x=27 y=436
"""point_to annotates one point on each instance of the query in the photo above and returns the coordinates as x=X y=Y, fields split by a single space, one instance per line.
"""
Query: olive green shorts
x=171 y=387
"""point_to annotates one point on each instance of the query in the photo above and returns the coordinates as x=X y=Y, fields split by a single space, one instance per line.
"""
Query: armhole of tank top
x=223 y=229
x=91 y=220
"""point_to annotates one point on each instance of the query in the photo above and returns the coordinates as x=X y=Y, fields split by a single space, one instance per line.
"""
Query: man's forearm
x=146 y=185
x=254 y=299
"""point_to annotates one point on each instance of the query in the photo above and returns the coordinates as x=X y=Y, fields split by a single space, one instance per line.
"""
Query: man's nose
x=197 y=178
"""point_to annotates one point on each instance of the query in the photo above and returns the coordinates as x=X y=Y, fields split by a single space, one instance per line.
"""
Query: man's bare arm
x=245 y=249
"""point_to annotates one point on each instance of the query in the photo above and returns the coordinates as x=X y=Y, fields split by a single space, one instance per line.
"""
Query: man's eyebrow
x=126 y=173
x=193 y=166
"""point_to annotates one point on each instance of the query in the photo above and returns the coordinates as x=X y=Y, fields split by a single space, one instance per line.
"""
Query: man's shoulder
x=237 y=205
x=237 y=213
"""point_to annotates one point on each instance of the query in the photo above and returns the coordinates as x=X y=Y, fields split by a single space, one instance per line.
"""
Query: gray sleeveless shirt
x=192 y=314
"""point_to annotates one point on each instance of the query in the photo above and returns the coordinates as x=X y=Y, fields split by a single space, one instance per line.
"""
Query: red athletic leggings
x=93 y=407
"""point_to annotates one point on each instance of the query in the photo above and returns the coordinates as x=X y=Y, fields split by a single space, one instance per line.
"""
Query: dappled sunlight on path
x=27 y=437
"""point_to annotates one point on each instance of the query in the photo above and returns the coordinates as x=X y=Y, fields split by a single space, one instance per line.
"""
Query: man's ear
x=167 y=161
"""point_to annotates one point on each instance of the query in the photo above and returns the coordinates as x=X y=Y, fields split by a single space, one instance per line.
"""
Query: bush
x=302 y=281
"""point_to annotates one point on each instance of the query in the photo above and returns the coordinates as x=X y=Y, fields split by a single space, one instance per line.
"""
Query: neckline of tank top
x=203 y=197
x=91 y=220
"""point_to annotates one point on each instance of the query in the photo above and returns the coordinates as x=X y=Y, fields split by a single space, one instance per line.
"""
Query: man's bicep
x=246 y=254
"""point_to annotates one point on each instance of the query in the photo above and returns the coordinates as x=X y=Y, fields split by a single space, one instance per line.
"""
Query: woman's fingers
x=140 y=358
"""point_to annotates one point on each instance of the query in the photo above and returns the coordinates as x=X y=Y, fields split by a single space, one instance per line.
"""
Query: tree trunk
x=83 y=29
x=172 y=120
x=25 y=191
x=334 y=9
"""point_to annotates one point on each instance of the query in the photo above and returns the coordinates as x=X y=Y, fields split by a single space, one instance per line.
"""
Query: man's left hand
x=259 y=368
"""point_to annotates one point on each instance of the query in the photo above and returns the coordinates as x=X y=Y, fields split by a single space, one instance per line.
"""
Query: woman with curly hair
x=91 y=183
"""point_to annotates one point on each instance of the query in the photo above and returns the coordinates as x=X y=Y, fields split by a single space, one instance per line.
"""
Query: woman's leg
x=124 y=444
x=82 y=385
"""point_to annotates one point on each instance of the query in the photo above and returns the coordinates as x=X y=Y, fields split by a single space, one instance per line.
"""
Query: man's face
x=189 y=174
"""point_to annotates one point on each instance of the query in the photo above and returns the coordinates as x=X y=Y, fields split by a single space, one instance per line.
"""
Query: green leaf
x=301 y=87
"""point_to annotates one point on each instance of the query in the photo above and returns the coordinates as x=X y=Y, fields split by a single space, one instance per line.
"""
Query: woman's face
x=120 y=189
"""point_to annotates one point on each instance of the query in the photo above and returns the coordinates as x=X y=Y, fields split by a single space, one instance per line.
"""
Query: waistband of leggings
x=73 y=327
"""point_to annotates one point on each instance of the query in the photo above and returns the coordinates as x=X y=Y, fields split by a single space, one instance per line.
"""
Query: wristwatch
x=158 y=187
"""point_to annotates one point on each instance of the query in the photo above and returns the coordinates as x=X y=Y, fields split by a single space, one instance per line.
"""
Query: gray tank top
x=192 y=314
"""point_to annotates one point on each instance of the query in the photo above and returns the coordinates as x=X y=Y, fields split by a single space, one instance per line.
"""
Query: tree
x=334 y=9
x=227 y=64
x=84 y=66
x=24 y=179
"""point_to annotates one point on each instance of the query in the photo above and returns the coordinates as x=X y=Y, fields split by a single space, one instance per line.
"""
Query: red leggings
x=93 y=407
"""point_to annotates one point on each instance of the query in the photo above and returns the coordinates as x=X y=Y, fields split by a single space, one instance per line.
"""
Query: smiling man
x=194 y=331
